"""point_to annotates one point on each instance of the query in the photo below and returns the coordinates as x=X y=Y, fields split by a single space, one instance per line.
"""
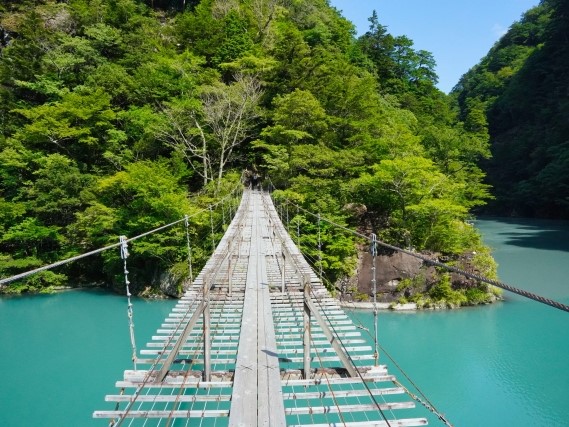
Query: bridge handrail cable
x=316 y=300
x=112 y=246
x=498 y=284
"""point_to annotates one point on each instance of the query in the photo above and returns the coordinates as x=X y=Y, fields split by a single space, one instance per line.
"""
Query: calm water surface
x=500 y=365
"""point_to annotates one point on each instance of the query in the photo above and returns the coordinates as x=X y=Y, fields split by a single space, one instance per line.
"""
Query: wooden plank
x=189 y=351
x=160 y=342
x=180 y=376
x=244 y=399
x=159 y=398
x=333 y=340
x=333 y=394
x=176 y=384
x=283 y=352
x=334 y=409
x=326 y=359
x=163 y=414
x=316 y=343
x=317 y=335
x=409 y=422
x=270 y=409
x=184 y=360
x=293 y=329
x=188 y=328
x=257 y=395
x=299 y=322
x=337 y=380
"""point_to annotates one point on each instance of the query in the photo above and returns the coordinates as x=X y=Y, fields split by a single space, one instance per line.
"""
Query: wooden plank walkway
x=250 y=362
x=257 y=392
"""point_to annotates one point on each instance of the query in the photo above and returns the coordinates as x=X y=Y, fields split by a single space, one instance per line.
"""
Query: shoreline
x=408 y=307
x=353 y=305
x=385 y=306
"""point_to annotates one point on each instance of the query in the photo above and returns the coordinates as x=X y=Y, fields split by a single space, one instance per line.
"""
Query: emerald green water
x=499 y=365
x=62 y=353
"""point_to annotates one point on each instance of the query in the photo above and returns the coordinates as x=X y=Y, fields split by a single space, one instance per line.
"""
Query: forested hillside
x=121 y=115
x=522 y=84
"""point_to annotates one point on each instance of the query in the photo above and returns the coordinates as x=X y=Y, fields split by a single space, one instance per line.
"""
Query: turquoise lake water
x=501 y=365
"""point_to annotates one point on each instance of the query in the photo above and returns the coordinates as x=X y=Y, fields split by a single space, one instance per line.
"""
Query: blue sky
x=457 y=32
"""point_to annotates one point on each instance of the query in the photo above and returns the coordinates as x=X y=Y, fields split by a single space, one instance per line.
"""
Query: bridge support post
x=230 y=273
x=283 y=268
x=306 y=343
x=239 y=241
x=206 y=329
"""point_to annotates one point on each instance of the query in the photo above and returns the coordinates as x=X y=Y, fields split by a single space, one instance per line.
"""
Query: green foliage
x=140 y=198
x=443 y=292
x=398 y=66
x=520 y=85
x=120 y=117
x=236 y=41
x=80 y=124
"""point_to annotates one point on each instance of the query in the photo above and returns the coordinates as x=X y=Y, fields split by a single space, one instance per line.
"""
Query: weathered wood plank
x=163 y=414
x=343 y=393
x=155 y=398
x=176 y=384
x=270 y=401
x=410 y=422
x=336 y=380
x=257 y=395
x=334 y=409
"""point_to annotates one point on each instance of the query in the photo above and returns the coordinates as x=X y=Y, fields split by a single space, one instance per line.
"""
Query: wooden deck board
x=257 y=393
x=256 y=343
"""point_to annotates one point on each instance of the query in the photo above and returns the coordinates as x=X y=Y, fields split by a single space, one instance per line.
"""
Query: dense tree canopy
x=521 y=86
x=120 y=115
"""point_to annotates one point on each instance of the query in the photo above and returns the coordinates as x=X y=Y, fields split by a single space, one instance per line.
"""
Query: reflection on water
x=546 y=235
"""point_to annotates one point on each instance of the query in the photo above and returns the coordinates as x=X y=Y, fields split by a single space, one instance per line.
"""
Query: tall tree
x=211 y=129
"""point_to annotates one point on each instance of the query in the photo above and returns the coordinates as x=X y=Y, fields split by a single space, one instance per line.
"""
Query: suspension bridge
x=257 y=340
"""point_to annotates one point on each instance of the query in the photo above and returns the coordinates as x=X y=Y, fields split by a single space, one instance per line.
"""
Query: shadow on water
x=534 y=233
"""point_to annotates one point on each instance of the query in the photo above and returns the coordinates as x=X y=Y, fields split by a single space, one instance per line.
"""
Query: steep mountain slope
x=115 y=111
x=522 y=83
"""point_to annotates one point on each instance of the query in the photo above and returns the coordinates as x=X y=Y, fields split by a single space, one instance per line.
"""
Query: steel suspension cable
x=298 y=228
x=212 y=232
x=373 y=250
x=426 y=403
x=124 y=256
x=496 y=283
x=319 y=247
x=334 y=399
x=339 y=339
x=187 y=226
x=97 y=251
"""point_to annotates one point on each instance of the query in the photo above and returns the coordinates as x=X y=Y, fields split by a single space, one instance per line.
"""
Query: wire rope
x=496 y=283
x=97 y=251
x=330 y=388
x=339 y=339
x=189 y=247
x=130 y=314
x=426 y=403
